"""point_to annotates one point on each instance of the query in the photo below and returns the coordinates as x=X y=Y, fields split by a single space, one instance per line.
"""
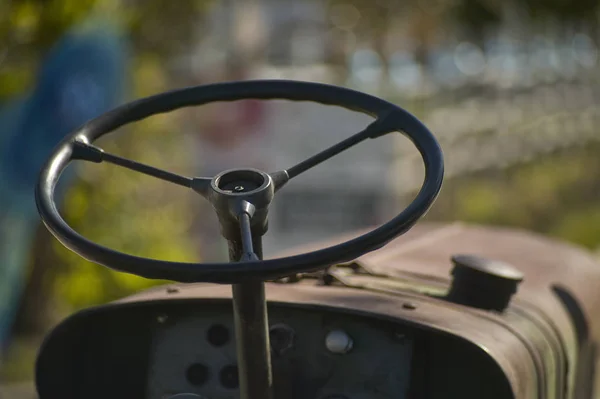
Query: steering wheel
x=241 y=197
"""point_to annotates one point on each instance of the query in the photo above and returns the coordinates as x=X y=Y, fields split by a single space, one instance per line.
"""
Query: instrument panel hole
x=197 y=374
x=218 y=335
x=229 y=377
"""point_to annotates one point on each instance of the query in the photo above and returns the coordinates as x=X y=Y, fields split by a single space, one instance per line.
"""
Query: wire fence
x=481 y=133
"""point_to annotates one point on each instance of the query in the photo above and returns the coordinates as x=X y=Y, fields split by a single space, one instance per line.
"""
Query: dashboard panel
x=184 y=349
x=317 y=355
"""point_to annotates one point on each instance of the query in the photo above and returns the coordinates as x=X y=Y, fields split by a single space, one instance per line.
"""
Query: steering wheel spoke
x=87 y=152
x=382 y=125
x=279 y=178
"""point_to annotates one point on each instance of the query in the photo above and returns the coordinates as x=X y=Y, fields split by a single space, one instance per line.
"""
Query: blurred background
x=510 y=88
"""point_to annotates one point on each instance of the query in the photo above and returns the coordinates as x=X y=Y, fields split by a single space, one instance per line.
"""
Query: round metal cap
x=483 y=283
x=488 y=266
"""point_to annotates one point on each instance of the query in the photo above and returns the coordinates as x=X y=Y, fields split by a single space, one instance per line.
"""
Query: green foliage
x=581 y=226
x=111 y=206
x=127 y=211
x=478 y=15
x=28 y=28
x=556 y=195
x=562 y=9
x=119 y=209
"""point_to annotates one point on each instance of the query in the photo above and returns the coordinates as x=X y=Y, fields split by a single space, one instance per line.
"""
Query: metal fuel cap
x=483 y=283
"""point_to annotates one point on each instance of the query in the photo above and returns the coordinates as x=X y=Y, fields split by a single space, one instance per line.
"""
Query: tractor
x=404 y=310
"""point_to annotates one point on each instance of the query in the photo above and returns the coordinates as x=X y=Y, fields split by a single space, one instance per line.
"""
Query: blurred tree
x=563 y=10
x=28 y=28
x=554 y=195
x=158 y=30
x=477 y=16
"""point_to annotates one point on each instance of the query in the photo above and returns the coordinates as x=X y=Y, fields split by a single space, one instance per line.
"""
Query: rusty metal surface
x=534 y=335
x=543 y=261
x=425 y=252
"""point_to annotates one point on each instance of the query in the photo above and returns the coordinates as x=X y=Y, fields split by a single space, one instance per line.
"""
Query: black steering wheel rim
x=229 y=273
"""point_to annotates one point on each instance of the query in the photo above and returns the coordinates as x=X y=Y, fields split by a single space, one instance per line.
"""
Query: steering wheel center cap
x=240 y=182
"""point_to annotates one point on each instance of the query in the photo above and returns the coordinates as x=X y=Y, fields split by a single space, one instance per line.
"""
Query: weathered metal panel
x=536 y=341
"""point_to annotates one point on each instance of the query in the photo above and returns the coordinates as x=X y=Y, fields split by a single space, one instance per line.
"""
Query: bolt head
x=338 y=342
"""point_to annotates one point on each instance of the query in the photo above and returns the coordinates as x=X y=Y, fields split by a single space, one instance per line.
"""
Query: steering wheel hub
x=240 y=182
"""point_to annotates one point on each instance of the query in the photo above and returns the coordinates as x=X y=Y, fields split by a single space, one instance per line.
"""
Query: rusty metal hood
x=538 y=342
